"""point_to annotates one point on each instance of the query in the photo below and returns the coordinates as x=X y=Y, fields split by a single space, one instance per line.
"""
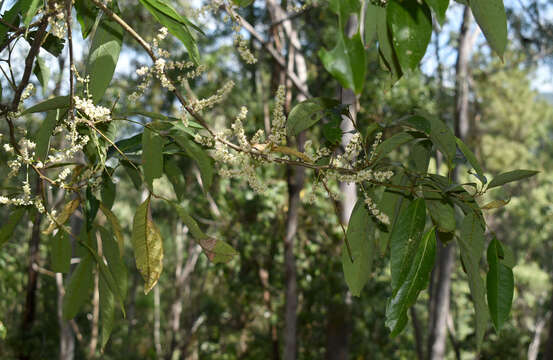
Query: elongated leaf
x=439 y=7
x=115 y=262
x=200 y=157
x=511 y=176
x=152 y=156
x=42 y=73
x=58 y=102
x=371 y=16
x=499 y=284
x=307 y=113
x=411 y=25
x=175 y=23
x=6 y=231
x=103 y=56
x=60 y=252
x=115 y=226
x=346 y=62
x=133 y=173
x=386 y=47
x=32 y=9
x=419 y=156
x=147 y=245
x=343 y=8
x=67 y=211
x=392 y=203
x=176 y=177
x=441 y=210
x=78 y=290
x=361 y=240
x=492 y=19
x=469 y=155
x=216 y=250
x=10 y=17
x=42 y=138
x=107 y=311
x=471 y=244
x=416 y=280
x=404 y=240
x=86 y=15
x=107 y=191
x=392 y=143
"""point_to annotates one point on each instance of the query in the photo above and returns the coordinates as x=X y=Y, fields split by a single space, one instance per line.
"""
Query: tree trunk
x=67 y=339
x=549 y=344
x=441 y=276
x=534 y=347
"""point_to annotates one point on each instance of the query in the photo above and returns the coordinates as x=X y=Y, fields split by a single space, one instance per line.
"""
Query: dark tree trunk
x=441 y=276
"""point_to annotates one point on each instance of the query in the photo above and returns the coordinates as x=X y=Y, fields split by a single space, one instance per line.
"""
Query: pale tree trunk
x=67 y=339
x=441 y=276
x=339 y=322
x=295 y=180
x=549 y=344
x=534 y=348
x=157 y=322
x=94 y=332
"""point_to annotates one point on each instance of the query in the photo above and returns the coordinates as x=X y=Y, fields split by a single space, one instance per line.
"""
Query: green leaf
x=92 y=205
x=346 y=62
x=441 y=210
x=58 y=102
x=500 y=285
x=511 y=176
x=439 y=7
x=42 y=73
x=404 y=240
x=107 y=191
x=60 y=252
x=416 y=280
x=31 y=12
x=10 y=17
x=392 y=203
x=360 y=236
x=243 y=3
x=385 y=47
x=152 y=156
x=343 y=8
x=492 y=19
x=133 y=173
x=392 y=143
x=103 y=55
x=107 y=311
x=148 y=246
x=115 y=226
x=411 y=26
x=469 y=155
x=6 y=231
x=79 y=288
x=371 y=20
x=175 y=23
x=200 y=157
x=471 y=245
x=419 y=156
x=176 y=177
x=216 y=250
x=307 y=113
x=53 y=44
x=115 y=262
x=86 y=15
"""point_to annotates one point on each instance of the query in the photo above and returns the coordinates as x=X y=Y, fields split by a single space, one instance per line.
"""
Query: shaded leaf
x=360 y=236
x=67 y=211
x=115 y=226
x=58 y=102
x=307 y=113
x=86 y=15
x=440 y=8
x=469 y=155
x=152 y=156
x=42 y=73
x=148 y=246
x=200 y=157
x=7 y=229
x=60 y=252
x=511 y=176
x=78 y=290
x=107 y=311
x=499 y=284
x=392 y=143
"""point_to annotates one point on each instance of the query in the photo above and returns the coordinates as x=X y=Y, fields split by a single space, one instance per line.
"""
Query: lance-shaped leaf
x=492 y=19
x=416 y=280
x=441 y=209
x=60 y=252
x=392 y=203
x=411 y=25
x=346 y=62
x=152 y=156
x=32 y=9
x=471 y=244
x=499 y=284
x=392 y=143
x=42 y=72
x=42 y=138
x=107 y=311
x=104 y=53
x=404 y=240
x=58 y=102
x=115 y=226
x=147 y=245
x=386 y=50
x=360 y=236
x=469 y=155
x=8 y=228
x=86 y=15
x=175 y=23
x=78 y=290
x=439 y=7
x=115 y=262
x=307 y=113
x=511 y=176
x=67 y=211
x=200 y=157
x=216 y=250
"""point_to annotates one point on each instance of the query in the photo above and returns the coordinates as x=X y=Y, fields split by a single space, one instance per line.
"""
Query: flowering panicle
x=379 y=215
x=211 y=101
x=278 y=129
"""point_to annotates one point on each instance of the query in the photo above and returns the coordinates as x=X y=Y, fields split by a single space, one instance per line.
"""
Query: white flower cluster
x=95 y=113
x=211 y=101
x=243 y=49
x=365 y=175
x=278 y=128
x=58 y=25
x=379 y=215
x=239 y=129
x=377 y=141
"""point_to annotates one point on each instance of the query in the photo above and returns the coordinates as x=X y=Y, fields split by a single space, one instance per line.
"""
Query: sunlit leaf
x=307 y=113
x=492 y=19
x=511 y=176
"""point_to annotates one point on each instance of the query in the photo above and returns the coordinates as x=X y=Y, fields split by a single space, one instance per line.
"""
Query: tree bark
x=549 y=344
x=441 y=276
x=534 y=347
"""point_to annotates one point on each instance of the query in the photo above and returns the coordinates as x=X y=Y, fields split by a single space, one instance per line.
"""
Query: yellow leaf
x=68 y=210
